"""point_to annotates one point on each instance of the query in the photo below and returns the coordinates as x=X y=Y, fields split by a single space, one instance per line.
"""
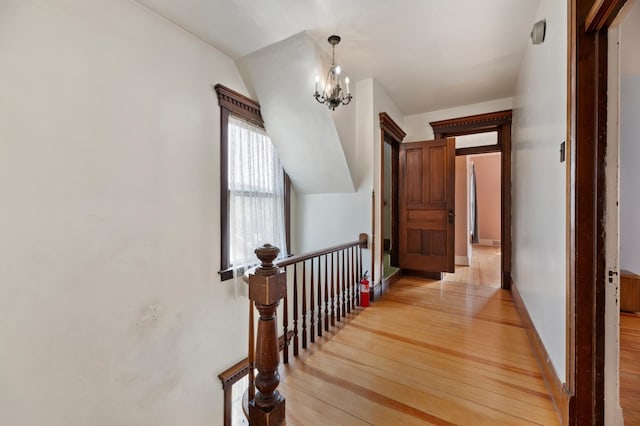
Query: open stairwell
x=428 y=352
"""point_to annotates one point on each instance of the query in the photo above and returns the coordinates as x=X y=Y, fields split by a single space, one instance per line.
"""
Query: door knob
x=451 y=217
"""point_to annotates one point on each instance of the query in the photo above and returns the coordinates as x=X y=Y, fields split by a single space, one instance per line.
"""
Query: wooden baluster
x=312 y=302
x=285 y=326
x=351 y=298
x=319 y=304
x=333 y=294
x=350 y=260
x=266 y=287
x=338 y=287
x=363 y=244
x=354 y=278
x=326 y=293
x=344 y=286
x=304 y=305
x=252 y=352
x=358 y=273
x=295 y=310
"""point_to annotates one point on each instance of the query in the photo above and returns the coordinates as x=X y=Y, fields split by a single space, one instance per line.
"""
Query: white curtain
x=256 y=194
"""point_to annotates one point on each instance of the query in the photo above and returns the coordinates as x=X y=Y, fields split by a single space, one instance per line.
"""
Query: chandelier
x=332 y=94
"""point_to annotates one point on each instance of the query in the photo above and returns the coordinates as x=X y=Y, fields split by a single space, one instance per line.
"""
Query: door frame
x=589 y=22
x=391 y=133
x=500 y=122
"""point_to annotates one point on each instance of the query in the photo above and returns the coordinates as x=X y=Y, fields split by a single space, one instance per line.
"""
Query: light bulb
x=337 y=69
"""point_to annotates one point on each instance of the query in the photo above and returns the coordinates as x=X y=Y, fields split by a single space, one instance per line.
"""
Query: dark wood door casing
x=391 y=134
x=500 y=122
x=427 y=197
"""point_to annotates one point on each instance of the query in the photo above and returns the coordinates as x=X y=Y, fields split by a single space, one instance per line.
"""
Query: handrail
x=324 y=288
x=361 y=242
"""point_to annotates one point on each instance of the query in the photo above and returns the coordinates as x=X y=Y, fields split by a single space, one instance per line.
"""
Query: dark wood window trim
x=232 y=102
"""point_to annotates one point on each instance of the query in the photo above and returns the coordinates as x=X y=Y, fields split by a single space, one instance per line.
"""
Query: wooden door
x=427 y=198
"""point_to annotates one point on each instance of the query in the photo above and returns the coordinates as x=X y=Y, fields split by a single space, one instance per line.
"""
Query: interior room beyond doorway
x=478 y=213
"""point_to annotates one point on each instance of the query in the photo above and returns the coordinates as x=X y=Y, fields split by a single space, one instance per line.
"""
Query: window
x=254 y=187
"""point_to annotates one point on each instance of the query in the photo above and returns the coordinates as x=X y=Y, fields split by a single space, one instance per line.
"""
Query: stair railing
x=324 y=289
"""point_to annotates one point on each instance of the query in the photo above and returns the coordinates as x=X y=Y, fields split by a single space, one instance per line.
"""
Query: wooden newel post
x=266 y=287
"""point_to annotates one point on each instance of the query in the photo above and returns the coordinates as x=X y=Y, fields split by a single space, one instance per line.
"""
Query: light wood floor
x=429 y=352
x=484 y=268
x=630 y=367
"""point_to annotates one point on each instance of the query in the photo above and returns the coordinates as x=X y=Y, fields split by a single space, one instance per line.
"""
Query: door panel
x=427 y=197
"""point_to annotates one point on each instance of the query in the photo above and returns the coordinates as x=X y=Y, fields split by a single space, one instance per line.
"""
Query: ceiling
x=427 y=54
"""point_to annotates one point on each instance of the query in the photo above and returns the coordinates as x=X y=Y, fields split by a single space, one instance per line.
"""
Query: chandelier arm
x=325 y=94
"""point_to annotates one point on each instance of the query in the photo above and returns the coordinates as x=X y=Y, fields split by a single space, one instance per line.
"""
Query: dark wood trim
x=504 y=140
x=472 y=123
x=373 y=244
x=391 y=280
x=559 y=393
x=228 y=378
x=231 y=375
x=225 y=273
x=391 y=133
x=499 y=122
x=389 y=126
x=603 y=13
x=589 y=22
x=239 y=104
x=287 y=211
x=232 y=102
x=473 y=150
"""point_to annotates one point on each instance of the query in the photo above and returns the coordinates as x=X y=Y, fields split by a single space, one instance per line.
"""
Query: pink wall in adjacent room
x=487 y=168
x=461 y=206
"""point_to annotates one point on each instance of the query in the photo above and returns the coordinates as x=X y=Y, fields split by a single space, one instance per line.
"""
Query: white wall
x=539 y=183
x=629 y=137
x=418 y=128
x=462 y=245
x=324 y=220
x=111 y=310
x=329 y=219
x=488 y=183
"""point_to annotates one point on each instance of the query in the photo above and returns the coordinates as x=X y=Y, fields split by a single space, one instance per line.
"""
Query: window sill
x=226 y=274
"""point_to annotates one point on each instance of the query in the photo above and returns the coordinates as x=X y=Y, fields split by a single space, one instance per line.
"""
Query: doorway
x=469 y=128
x=477 y=215
x=391 y=137
x=484 y=134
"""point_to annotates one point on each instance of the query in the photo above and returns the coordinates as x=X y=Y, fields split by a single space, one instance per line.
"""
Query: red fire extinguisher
x=364 y=290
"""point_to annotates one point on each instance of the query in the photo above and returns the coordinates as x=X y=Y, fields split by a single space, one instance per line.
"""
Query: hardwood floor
x=630 y=367
x=484 y=268
x=429 y=352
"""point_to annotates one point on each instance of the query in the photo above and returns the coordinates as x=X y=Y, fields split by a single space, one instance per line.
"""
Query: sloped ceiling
x=427 y=54
x=302 y=130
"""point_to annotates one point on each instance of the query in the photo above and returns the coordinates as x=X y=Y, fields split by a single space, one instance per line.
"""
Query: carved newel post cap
x=267 y=254
x=267 y=285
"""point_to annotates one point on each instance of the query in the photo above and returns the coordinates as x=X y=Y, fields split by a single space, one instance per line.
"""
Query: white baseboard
x=485 y=242
x=462 y=260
